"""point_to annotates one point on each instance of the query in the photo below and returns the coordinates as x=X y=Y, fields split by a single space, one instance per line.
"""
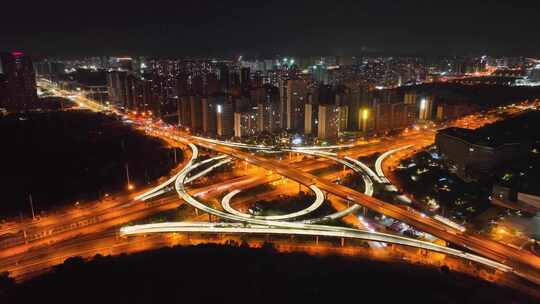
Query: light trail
x=358 y=169
x=365 y=168
x=237 y=228
x=279 y=227
x=160 y=189
x=319 y=200
x=381 y=158
x=204 y=172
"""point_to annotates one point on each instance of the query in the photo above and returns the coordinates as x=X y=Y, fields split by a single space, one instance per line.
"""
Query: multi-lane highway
x=485 y=247
x=495 y=254
x=264 y=225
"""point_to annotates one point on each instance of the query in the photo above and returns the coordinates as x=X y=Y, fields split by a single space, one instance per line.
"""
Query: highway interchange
x=117 y=213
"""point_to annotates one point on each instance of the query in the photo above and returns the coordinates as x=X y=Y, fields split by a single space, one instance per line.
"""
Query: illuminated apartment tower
x=296 y=99
x=245 y=123
x=209 y=116
x=19 y=81
x=265 y=116
x=225 y=119
x=195 y=104
x=425 y=108
x=328 y=122
x=308 y=118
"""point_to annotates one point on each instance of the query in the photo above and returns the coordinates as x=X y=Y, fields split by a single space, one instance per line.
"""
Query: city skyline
x=150 y=148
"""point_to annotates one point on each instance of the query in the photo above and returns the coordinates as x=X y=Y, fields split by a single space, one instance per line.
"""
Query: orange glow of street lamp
x=130 y=187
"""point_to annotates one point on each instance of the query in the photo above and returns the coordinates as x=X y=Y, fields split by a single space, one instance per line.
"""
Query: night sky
x=266 y=28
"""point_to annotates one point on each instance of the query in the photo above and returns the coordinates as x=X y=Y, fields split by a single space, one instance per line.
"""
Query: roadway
x=240 y=228
x=268 y=226
x=481 y=246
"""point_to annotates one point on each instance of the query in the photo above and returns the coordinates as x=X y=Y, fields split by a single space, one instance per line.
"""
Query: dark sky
x=263 y=28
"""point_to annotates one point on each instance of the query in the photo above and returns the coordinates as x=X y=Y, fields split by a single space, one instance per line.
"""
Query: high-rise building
x=225 y=119
x=343 y=118
x=245 y=123
x=266 y=116
x=209 y=115
x=328 y=122
x=403 y=115
x=117 y=87
x=410 y=98
x=197 y=85
x=195 y=105
x=296 y=99
x=182 y=85
x=359 y=97
x=366 y=121
x=245 y=77
x=212 y=85
x=3 y=91
x=50 y=69
x=425 y=108
x=382 y=115
x=183 y=110
x=451 y=111
x=19 y=81
x=224 y=78
x=534 y=75
x=309 y=122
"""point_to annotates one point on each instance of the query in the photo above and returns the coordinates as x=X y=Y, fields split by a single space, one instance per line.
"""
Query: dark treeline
x=62 y=157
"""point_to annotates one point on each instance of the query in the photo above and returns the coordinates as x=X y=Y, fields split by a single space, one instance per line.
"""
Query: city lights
x=317 y=139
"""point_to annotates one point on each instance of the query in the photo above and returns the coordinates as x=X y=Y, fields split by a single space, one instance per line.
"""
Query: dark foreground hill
x=223 y=274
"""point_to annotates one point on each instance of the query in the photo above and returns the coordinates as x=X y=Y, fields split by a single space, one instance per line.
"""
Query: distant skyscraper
x=225 y=119
x=245 y=77
x=410 y=98
x=209 y=115
x=343 y=112
x=296 y=98
x=245 y=123
x=308 y=118
x=195 y=112
x=534 y=75
x=117 y=86
x=265 y=116
x=328 y=122
x=19 y=81
x=224 y=78
x=383 y=115
x=212 y=85
x=426 y=108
